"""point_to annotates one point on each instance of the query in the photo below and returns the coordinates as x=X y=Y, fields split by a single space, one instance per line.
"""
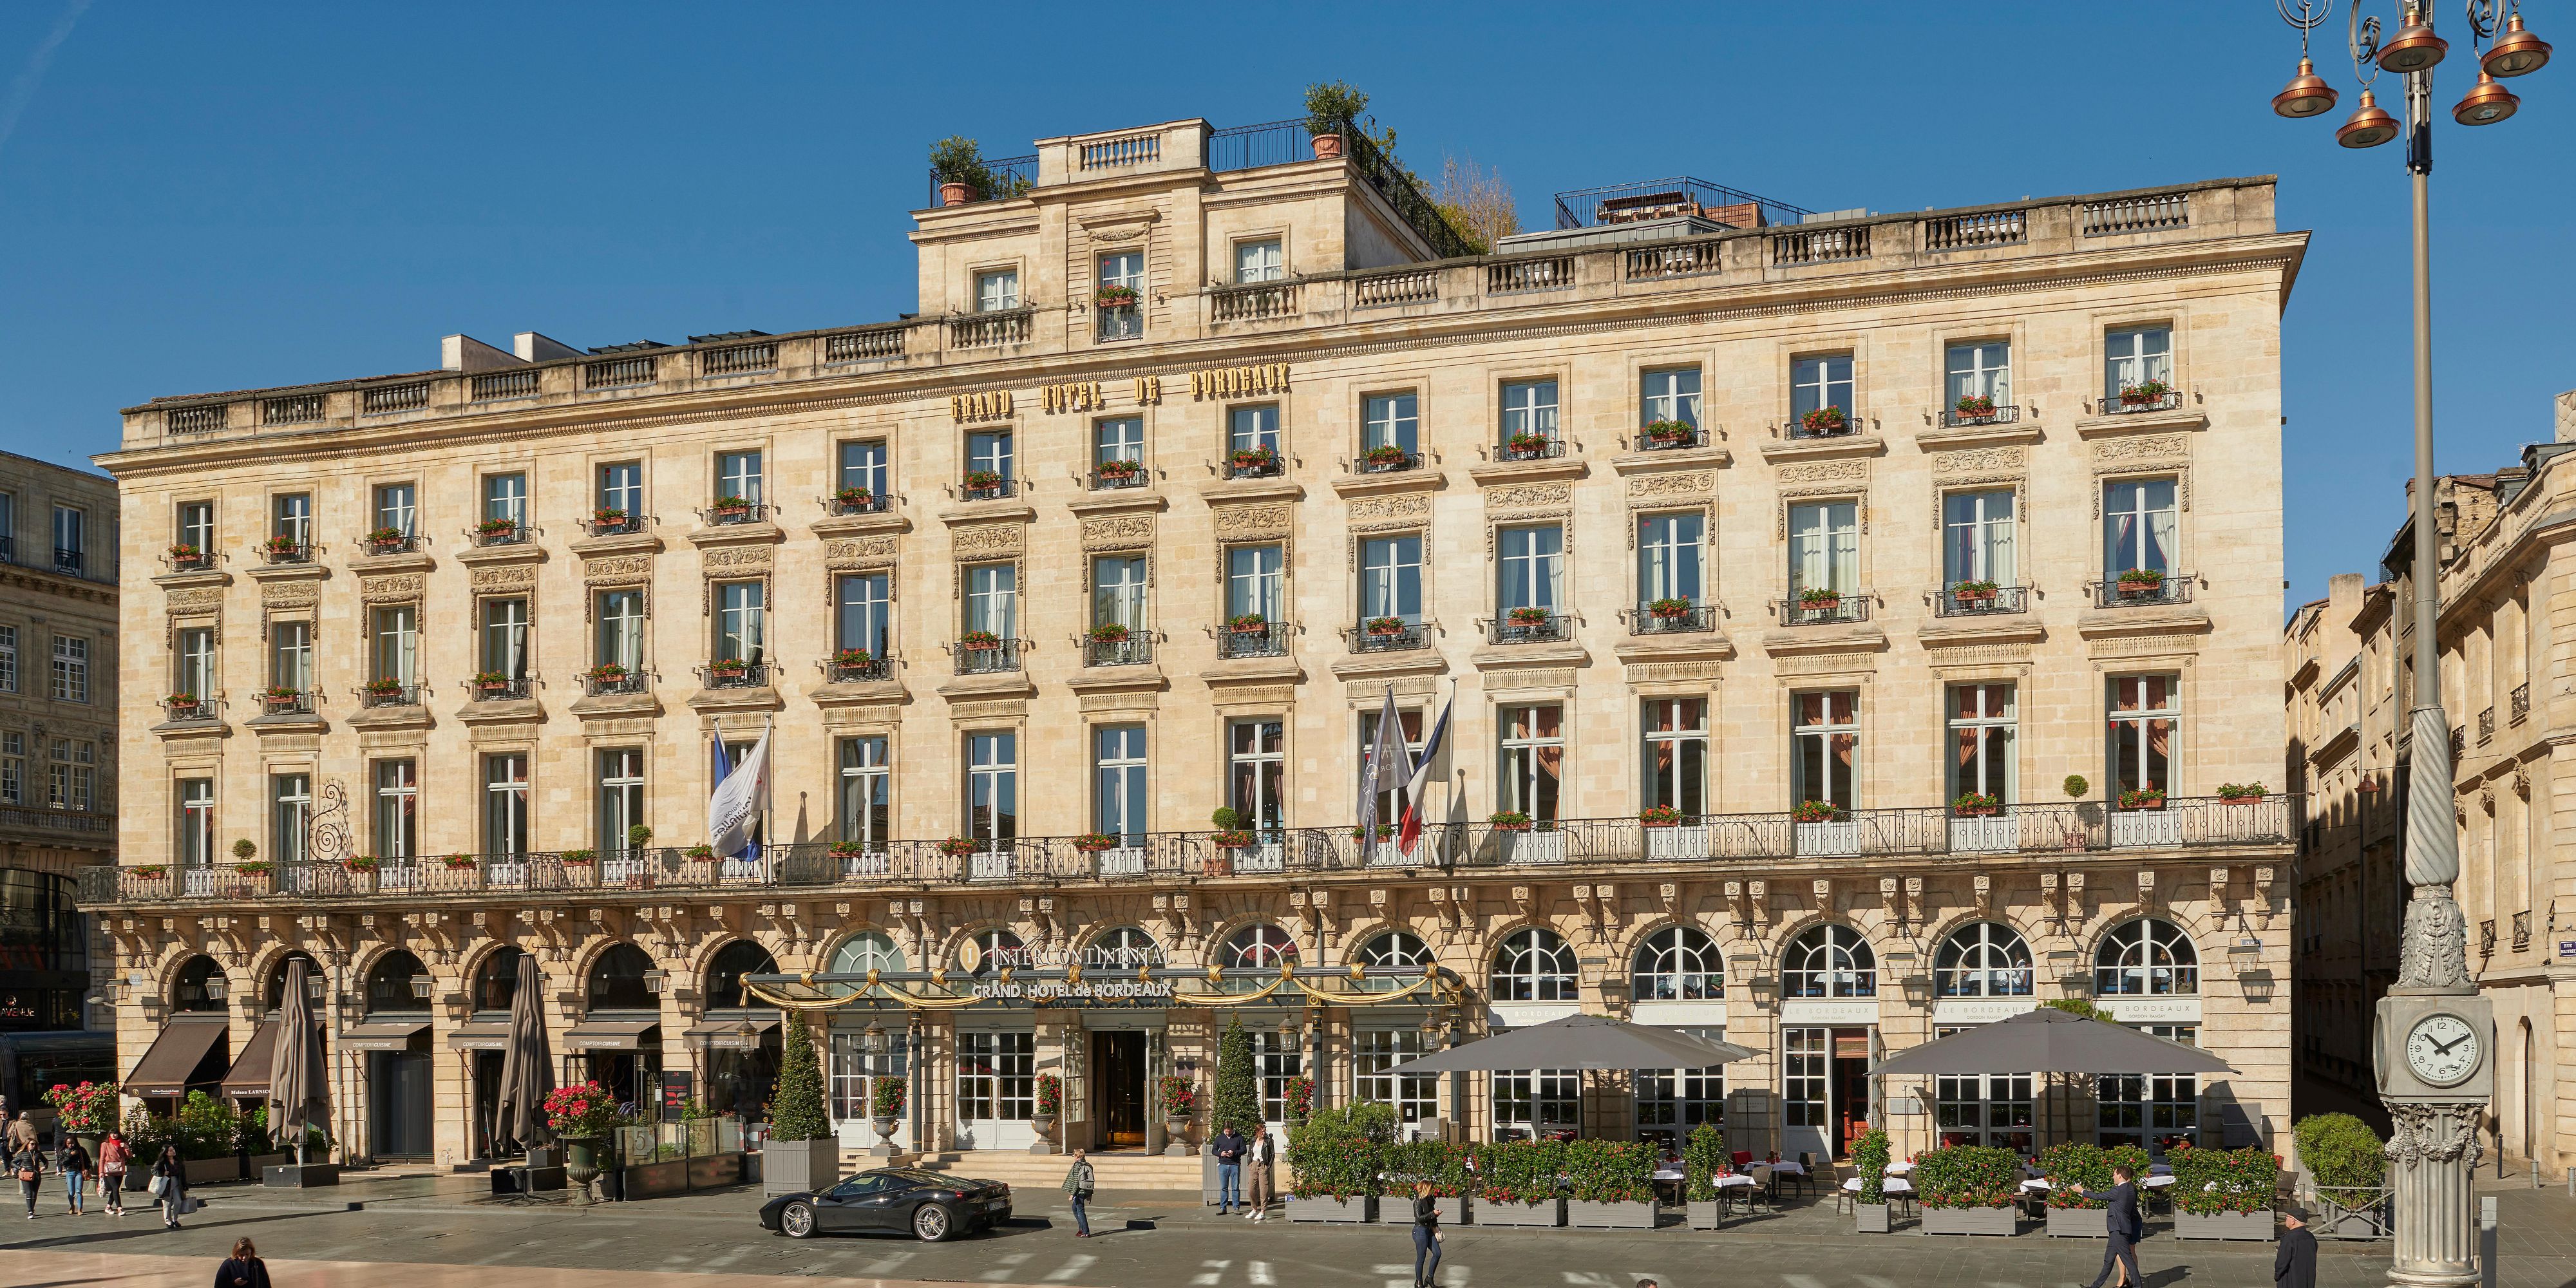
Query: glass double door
x=1118 y=1087
x=398 y=1104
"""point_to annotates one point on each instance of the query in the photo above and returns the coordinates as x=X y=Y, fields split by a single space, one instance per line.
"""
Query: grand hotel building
x=1196 y=450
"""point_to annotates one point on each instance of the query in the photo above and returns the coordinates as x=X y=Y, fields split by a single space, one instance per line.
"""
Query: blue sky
x=200 y=197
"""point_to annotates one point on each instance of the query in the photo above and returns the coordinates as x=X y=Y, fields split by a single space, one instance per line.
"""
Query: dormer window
x=997 y=290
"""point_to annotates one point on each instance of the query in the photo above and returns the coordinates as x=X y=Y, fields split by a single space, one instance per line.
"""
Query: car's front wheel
x=798 y=1222
x=930 y=1223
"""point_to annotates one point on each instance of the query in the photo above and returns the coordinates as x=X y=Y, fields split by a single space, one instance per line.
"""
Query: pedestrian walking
x=1078 y=1181
x=1228 y=1148
x=1257 y=1181
x=22 y=1133
x=170 y=1186
x=29 y=1166
x=2124 y=1227
x=2294 y=1265
x=113 y=1159
x=75 y=1164
x=1426 y=1235
x=243 y=1269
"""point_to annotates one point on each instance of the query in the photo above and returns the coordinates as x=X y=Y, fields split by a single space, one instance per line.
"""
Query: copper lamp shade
x=2516 y=52
x=2486 y=103
x=2306 y=95
x=2369 y=125
x=2414 y=49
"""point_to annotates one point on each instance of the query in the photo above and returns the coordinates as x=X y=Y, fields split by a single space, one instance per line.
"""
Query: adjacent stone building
x=1769 y=566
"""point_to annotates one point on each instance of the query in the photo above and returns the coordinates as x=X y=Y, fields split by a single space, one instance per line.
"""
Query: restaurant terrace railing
x=1925 y=833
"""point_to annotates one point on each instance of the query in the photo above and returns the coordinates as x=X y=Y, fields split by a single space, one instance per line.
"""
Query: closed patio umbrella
x=2047 y=1040
x=1580 y=1042
x=527 y=1065
x=298 y=1095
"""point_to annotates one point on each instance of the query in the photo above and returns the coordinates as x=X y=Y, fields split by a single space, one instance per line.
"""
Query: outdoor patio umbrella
x=297 y=1093
x=527 y=1064
x=2047 y=1040
x=1580 y=1042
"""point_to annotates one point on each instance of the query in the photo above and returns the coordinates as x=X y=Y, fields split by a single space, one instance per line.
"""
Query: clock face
x=2442 y=1049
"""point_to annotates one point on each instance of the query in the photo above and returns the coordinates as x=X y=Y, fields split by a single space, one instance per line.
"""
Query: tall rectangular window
x=196 y=657
x=1391 y=420
x=505 y=499
x=993 y=787
x=1826 y=738
x=992 y=599
x=505 y=637
x=997 y=289
x=71 y=668
x=1675 y=765
x=1530 y=1101
x=1253 y=426
x=290 y=655
x=1118 y=591
x=742 y=619
x=8 y=527
x=196 y=840
x=620 y=615
x=863 y=465
x=1820 y=381
x=397 y=643
x=1529 y=407
x=1977 y=537
x=1983 y=727
x=1805 y=1056
x=1390 y=799
x=738 y=476
x=1391 y=577
x=1824 y=546
x=290 y=518
x=854 y=1068
x=1533 y=761
x=1276 y=1059
x=397 y=810
x=71 y=538
x=505 y=803
x=290 y=817
x=8 y=659
x=397 y=508
x=2158 y=1111
x=1416 y=1097
x=1668 y=554
x=196 y=527
x=989 y=452
x=867 y=793
x=1256 y=762
x=1258 y=261
x=621 y=488
x=863 y=611
x=2145 y=719
x=996 y=1076
x=1119 y=438
x=1253 y=581
x=1118 y=777
x=2137 y=526
x=2135 y=356
x=621 y=796
x=1669 y=394
x=13 y=769
x=1672 y=1103
x=1982 y=370
x=1532 y=568
x=1123 y=268
x=1994 y=1112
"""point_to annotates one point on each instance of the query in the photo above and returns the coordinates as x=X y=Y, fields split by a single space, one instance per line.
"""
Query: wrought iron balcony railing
x=613 y=525
x=516 y=533
x=1389 y=635
x=1668 y=620
x=2519 y=702
x=837 y=670
x=1848 y=607
x=1256 y=467
x=613 y=684
x=1532 y=626
x=1830 y=427
x=725 y=516
x=2522 y=931
x=1547 y=447
x=987 y=490
x=730 y=674
x=278 y=552
x=1104 y=480
x=870 y=503
x=293 y=702
x=396 y=695
x=1672 y=442
x=506 y=690
x=2002 y=599
x=400 y=543
x=1376 y=461
x=2486 y=938
x=1136 y=648
x=179 y=707
x=1953 y=418
x=991 y=659
x=2124 y=402
x=2175 y=588
x=67 y=559
x=1267 y=639
x=2486 y=726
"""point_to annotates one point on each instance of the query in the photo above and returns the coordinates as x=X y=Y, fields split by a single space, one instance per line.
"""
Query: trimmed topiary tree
x=2341 y=1152
x=1238 y=1093
x=1869 y=1156
x=1702 y=1155
x=798 y=1113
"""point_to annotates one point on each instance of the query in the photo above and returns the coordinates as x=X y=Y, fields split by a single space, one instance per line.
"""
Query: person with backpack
x=113 y=1159
x=1078 y=1181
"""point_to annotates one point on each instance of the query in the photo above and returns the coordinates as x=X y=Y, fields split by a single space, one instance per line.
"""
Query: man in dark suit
x=2295 y=1265
x=2125 y=1226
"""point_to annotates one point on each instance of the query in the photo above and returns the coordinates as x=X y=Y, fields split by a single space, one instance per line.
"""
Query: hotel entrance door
x=1118 y=1072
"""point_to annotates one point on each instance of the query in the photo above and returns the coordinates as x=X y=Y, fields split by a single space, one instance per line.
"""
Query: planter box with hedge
x=1967 y=1189
x=1869 y=1205
x=1610 y=1185
x=2347 y=1166
x=2224 y=1193
x=1519 y=1183
x=1335 y=1155
x=2081 y=1215
x=1402 y=1163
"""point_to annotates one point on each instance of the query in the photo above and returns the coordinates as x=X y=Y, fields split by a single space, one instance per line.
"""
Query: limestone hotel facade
x=1850 y=619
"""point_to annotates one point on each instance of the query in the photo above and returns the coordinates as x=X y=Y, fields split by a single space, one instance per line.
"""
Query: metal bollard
x=2571 y=1182
x=2487 y=1241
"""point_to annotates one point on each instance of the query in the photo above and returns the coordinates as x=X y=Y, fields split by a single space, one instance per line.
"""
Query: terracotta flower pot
x=1327 y=146
x=952 y=194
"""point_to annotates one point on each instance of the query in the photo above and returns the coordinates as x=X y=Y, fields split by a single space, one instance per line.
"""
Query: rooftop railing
x=1625 y=203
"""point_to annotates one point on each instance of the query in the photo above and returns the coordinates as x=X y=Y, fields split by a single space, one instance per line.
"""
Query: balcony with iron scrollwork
x=1389 y=635
x=857 y=666
x=1981 y=599
x=389 y=693
x=2522 y=931
x=2487 y=937
x=1809 y=609
x=1254 y=638
x=986 y=485
x=1253 y=463
x=502 y=688
x=282 y=700
x=729 y=512
x=1672 y=617
x=2518 y=703
x=855 y=501
x=1386 y=458
x=734 y=673
x=1973 y=416
x=2126 y=591
x=613 y=681
x=1670 y=436
x=2486 y=726
x=2131 y=400
x=1532 y=626
x=500 y=532
x=610 y=521
x=283 y=552
x=987 y=655
x=1117 y=472
x=1118 y=647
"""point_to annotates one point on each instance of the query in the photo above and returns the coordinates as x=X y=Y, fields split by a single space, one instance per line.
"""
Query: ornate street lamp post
x=2435 y=1034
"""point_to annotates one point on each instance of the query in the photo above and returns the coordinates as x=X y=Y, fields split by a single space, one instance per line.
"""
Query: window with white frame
x=71 y=668
x=1984 y=725
x=1984 y=959
x=397 y=507
x=1119 y=790
x=397 y=811
x=1530 y=1101
x=8 y=659
x=993 y=787
x=620 y=614
x=1992 y=1111
x=1668 y=557
x=1825 y=743
x=863 y=612
x=1674 y=767
x=1671 y=393
x=1529 y=408
x=505 y=803
x=196 y=840
x=992 y=599
x=1258 y=260
x=290 y=655
x=863 y=465
x=1256 y=767
x=1672 y=1103
x=1977 y=537
x=1253 y=581
x=1391 y=577
x=196 y=658
x=1397 y=949
x=1118 y=591
x=855 y=1070
x=505 y=499
x=1123 y=268
x=742 y=621
x=2138 y=520
x=1824 y=547
x=2148 y=957
x=1414 y=1097
x=867 y=793
x=1534 y=965
x=1390 y=797
x=996 y=1076
x=1820 y=381
x=290 y=817
x=2155 y=1111
x=988 y=451
x=1805 y=1056
x=1278 y=1057
x=621 y=797
x=997 y=289
x=1828 y=961
x=13 y=768
x=738 y=477
x=1122 y=948
x=505 y=637
x=2145 y=719
x=1391 y=420
x=71 y=542
x=397 y=644
x=1677 y=964
x=1982 y=369
x=1533 y=761
x=2134 y=356
x=621 y=488
x=290 y=518
x=1119 y=438
x=74 y=784
x=1531 y=567
x=1253 y=426
x=196 y=526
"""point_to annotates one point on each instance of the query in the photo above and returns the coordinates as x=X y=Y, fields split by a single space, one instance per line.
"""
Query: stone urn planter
x=1044 y=1125
x=1176 y=1131
x=1586 y=1214
x=1355 y=1210
x=581 y=1154
x=885 y=1136
x=1544 y=1214
x=1869 y=1218
x=2000 y=1221
x=2250 y=1226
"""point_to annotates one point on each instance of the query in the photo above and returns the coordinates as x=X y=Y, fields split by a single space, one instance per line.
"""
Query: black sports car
x=930 y=1205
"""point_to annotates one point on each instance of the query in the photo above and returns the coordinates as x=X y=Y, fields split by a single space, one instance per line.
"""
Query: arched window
x=1398 y=949
x=2145 y=958
x=733 y=961
x=1125 y=948
x=496 y=980
x=1678 y=964
x=1983 y=960
x=1829 y=961
x=617 y=980
x=389 y=984
x=274 y=995
x=1263 y=947
x=188 y=991
x=864 y=952
x=1533 y=965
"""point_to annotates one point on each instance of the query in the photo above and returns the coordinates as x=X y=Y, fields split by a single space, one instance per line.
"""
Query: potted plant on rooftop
x=1331 y=108
x=800 y=1155
x=957 y=163
x=1967 y=1189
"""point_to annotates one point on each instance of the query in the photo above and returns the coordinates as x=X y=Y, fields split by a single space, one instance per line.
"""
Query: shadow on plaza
x=122 y=1234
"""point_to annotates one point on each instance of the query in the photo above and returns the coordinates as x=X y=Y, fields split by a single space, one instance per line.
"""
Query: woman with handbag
x=28 y=1164
x=170 y=1185
x=75 y=1164
x=113 y=1158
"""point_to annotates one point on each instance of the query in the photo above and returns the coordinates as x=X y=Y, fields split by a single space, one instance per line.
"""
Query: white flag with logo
x=738 y=800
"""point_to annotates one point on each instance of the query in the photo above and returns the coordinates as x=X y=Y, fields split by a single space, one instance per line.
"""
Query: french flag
x=1409 y=833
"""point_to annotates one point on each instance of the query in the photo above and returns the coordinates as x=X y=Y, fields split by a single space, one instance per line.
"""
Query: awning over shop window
x=620 y=1036
x=174 y=1056
x=494 y=1036
x=381 y=1035
x=249 y=1075
x=725 y=1033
